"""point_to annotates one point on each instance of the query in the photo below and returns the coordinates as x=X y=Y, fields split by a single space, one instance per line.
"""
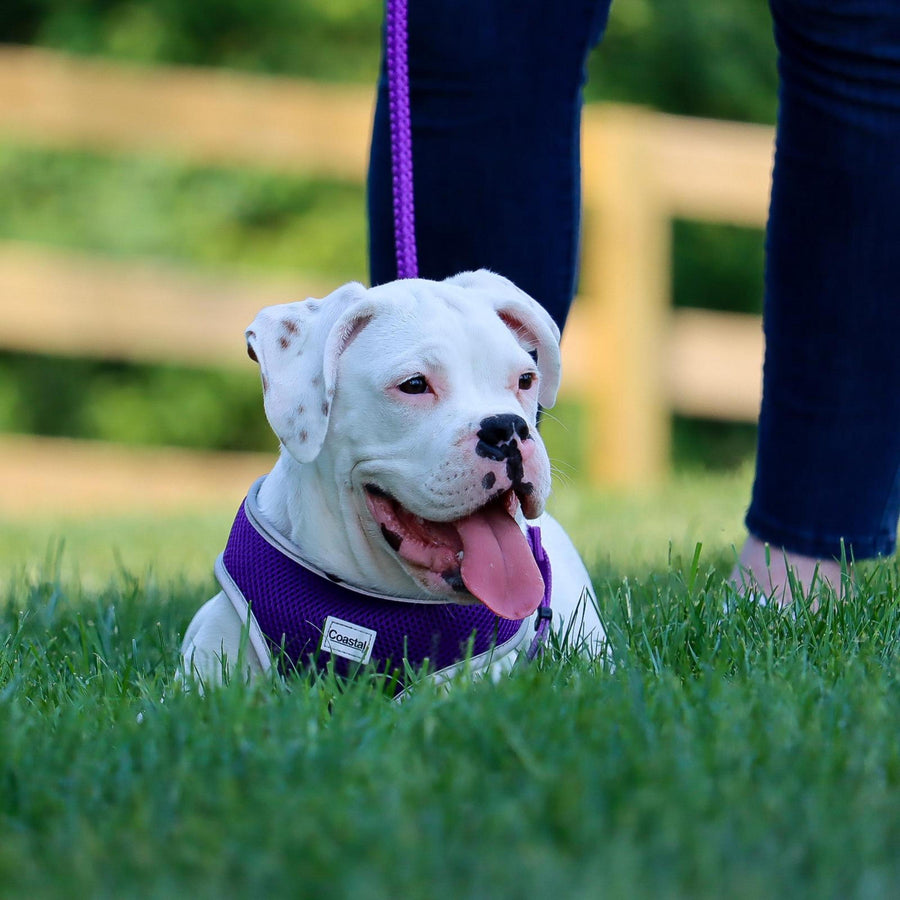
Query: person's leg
x=829 y=430
x=496 y=114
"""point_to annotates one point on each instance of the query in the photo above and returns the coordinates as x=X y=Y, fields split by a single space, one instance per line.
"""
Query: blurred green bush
x=705 y=59
x=242 y=220
x=133 y=404
x=674 y=55
x=330 y=39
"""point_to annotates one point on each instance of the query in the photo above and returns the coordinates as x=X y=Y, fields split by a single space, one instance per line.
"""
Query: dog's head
x=420 y=399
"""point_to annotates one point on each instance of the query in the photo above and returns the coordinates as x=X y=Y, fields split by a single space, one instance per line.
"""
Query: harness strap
x=312 y=620
x=544 y=612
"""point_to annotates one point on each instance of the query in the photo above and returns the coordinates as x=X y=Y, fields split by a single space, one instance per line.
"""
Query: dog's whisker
x=563 y=468
x=563 y=477
x=546 y=414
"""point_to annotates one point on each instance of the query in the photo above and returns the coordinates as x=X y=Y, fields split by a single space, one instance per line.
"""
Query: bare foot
x=764 y=569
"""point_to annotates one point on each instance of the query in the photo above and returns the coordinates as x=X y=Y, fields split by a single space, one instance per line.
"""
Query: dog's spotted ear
x=289 y=343
x=527 y=319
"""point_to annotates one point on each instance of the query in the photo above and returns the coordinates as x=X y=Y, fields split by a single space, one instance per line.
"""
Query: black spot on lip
x=454 y=579
x=377 y=491
x=333 y=578
x=515 y=468
x=393 y=539
x=510 y=453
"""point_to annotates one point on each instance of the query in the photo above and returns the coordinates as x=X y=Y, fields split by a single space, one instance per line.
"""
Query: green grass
x=752 y=754
x=620 y=534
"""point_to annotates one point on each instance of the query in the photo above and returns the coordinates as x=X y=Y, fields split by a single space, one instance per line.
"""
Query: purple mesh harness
x=296 y=608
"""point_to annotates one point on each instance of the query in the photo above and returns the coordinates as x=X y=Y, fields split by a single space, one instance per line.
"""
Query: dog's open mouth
x=485 y=552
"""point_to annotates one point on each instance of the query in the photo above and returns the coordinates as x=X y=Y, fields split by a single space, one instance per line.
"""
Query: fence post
x=625 y=301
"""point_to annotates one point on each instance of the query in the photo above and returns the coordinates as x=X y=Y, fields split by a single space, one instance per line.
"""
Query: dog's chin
x=481 y=556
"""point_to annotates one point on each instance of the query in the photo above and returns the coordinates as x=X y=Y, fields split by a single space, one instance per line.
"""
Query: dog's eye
x=526 y=381
x=415 y=385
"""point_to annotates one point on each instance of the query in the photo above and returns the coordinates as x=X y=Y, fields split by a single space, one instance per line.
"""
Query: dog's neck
x=335 y=541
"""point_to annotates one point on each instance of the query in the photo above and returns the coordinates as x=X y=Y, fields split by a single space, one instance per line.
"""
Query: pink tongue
x=497 y=565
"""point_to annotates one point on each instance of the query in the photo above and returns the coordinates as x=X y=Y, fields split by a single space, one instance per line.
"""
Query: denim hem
x=820 y=546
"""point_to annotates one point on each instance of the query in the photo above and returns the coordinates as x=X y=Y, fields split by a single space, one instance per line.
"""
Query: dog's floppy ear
x=290 y=342
x=527 y=319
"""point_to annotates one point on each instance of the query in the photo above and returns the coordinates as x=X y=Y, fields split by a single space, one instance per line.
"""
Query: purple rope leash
x=396 y=40
x=401 y=139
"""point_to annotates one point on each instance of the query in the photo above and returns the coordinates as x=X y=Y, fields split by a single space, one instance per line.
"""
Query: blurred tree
x=706 y=58
x=700 y=59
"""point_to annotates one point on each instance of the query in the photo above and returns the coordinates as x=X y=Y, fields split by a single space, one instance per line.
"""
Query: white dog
x=393 y=526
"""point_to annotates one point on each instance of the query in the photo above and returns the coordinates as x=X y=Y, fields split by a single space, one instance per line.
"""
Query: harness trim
x=287 y=604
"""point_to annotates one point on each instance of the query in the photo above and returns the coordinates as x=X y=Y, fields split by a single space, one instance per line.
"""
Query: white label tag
x=348 y=640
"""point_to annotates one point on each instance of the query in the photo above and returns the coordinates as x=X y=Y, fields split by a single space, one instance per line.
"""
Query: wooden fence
x=627 y=355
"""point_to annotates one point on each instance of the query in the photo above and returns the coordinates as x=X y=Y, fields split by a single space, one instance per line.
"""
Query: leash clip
x=544 y=614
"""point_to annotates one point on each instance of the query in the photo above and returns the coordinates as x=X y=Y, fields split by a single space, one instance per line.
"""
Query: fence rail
x=204 y=115
x=627 y=355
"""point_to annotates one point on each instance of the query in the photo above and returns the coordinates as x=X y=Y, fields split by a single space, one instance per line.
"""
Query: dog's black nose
x=497 y=430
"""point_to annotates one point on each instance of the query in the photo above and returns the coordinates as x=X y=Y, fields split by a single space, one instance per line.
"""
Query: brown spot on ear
x=304 y=435
x=316 y=381
x=301 y=409
x=331 y=391
x=283 y=342
x=290 y=326
x=325 y=408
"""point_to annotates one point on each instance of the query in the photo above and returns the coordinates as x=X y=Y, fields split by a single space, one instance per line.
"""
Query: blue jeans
x=496 y=110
